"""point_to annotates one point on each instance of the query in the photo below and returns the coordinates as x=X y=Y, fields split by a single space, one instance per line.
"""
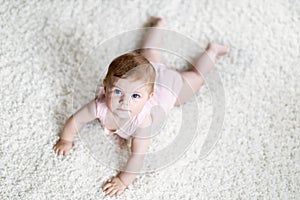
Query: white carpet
x=43 y=44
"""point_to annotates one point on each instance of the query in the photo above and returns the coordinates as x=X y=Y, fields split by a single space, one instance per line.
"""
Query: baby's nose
x=125 y=99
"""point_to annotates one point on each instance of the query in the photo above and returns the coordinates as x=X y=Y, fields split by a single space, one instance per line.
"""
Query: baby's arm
x=139 y=147
x=74 y=123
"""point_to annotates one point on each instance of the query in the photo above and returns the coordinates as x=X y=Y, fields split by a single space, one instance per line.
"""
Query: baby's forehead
x=130 y=84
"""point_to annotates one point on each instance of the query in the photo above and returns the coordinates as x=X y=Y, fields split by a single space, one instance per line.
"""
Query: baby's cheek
x=112 y=102
x=139 y=106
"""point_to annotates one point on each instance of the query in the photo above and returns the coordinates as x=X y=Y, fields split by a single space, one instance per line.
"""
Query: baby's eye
x=136 y=96
x=116 y=91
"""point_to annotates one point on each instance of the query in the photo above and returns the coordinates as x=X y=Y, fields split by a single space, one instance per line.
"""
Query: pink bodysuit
x=167 y=86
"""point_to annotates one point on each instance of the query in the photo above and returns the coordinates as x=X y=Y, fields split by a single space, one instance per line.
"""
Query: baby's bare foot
x=217 y=49
x=156 y=21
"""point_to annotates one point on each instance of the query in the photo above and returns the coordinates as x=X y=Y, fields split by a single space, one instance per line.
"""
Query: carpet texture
x=47 y=71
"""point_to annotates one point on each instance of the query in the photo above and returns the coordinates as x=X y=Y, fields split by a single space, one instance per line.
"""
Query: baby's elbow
x=77 y=120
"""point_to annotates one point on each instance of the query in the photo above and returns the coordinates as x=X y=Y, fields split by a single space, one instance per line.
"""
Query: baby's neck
x=121 y=120
x=115 y=121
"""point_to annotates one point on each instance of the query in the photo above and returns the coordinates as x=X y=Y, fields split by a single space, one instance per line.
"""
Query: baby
x=135 y=83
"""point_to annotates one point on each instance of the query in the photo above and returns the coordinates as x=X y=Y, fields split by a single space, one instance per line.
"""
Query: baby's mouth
x=123 y=109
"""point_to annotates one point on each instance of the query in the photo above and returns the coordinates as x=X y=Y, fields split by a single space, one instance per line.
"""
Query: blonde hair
x=131 y=65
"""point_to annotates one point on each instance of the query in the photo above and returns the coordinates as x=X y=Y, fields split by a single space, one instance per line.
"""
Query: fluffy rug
x=48 y=70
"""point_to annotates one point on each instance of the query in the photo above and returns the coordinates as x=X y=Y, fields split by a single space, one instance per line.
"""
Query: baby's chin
x=125 y=114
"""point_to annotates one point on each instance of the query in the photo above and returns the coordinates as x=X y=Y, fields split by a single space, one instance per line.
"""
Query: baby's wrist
x=125 y=185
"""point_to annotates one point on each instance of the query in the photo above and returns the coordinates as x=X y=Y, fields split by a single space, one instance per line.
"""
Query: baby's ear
x=151 y=95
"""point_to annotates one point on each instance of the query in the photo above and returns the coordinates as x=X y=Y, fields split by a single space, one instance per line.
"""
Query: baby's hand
x=63 y=147
x=114 y=186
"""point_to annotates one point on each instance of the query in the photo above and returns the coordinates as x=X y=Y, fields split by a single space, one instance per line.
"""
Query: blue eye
x=116 y=91
x=136 y=96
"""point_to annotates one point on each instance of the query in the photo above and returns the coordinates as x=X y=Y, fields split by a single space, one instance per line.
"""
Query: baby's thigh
x=192 y=83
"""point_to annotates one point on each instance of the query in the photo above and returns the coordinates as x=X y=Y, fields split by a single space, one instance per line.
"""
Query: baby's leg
x=193 y=79
x=152 y=37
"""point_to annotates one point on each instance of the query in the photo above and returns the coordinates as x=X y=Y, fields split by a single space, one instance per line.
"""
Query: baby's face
x=126 y=98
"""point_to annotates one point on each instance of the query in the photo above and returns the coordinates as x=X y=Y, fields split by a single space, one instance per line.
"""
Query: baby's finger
x=61 y=152
x=108 y=191
x=56 y=150
x=113 y=192
x=107 y=185
x=119 y=192
x=66 y=152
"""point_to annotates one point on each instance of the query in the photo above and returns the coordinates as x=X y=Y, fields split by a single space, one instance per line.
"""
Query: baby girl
x=135 y=83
